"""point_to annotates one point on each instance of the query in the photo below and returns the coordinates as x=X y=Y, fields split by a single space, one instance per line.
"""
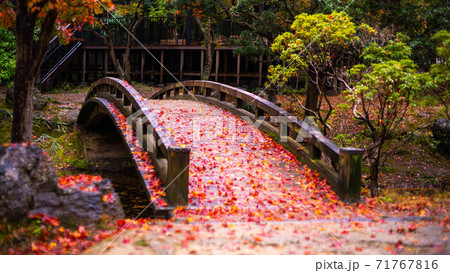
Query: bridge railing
x=302 y=139
x=170 y=160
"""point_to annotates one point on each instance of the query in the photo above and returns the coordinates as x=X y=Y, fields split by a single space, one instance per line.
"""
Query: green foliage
x=384 y=85
x=349 y=140
x=50 y=143
x=437 y=81
x=313 y=50
x=418 y=19
x=262 y=18
x=382 y=90
x=67 y=150
x=7 y=56
x=395 y=51
x=442 y=38
x=19 y=235
x=316 y=39
x=249 y=44
x=160 y=8
x=343 y=106
x=47 y=132
x=129 y=8
x=5 y=125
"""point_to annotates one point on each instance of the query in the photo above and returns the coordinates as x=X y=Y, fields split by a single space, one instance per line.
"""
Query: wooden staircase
x=57 y=58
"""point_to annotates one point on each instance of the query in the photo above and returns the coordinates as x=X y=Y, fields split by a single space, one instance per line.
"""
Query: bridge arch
x=108 y=98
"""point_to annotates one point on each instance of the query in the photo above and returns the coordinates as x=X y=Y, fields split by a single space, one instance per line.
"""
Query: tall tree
x=262 y=21
x=381 y=91
x=312 y=49
x=438 y=82
x=129 y=15
x=45 y=17
x=418 y=19
x=205 y=13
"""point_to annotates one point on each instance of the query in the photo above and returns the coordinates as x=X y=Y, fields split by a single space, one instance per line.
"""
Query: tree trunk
x=272 y=95
x=23 y=86
x=312 y=95
x=373 y=177
x=209 y=44
x=126 y=60
x=115 y=61
x=374 y=162
x=22 y=125
x=29 y=57
x=109 y=43
x=271 y=91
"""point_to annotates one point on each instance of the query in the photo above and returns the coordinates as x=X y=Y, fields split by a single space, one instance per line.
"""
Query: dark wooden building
x=165 y=50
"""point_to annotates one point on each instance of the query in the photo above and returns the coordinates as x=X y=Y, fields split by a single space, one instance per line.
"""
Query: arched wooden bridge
x=171 y=159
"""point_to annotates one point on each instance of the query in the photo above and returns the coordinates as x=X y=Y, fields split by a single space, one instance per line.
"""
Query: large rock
x=28 y=185
x=39 y=101
x=24 y=172
x=441 y=132
x=73 y=206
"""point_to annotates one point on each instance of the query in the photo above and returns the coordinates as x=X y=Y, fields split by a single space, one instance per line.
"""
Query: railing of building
x=179 y=30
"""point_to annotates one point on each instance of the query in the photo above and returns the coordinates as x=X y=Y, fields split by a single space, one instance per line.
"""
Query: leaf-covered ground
x=411 y=160
x=144 y=237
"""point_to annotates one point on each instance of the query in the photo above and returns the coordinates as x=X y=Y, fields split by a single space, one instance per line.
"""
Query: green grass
x=18 y=235
x=67 y=150
x=54 y=136
x=427 y=101
x=5 y=122
x=69 y=89
x=388 y=169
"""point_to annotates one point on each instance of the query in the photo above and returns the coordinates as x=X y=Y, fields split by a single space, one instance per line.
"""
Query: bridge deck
x=239 y=173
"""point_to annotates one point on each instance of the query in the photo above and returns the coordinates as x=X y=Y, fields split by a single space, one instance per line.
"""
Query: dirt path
x=279 y=238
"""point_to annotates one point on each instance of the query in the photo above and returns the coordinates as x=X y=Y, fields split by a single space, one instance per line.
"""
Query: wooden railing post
x=207 y=91
x=138 y=128
x=314 y=152
x=222 y=96
x=349 y=181
x=239 y=103
x=258 y=113
x=178 y=176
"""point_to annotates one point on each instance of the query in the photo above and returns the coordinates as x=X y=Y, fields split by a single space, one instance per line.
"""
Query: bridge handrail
x=129 y=101
x=346 y=181
x=170 y=160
